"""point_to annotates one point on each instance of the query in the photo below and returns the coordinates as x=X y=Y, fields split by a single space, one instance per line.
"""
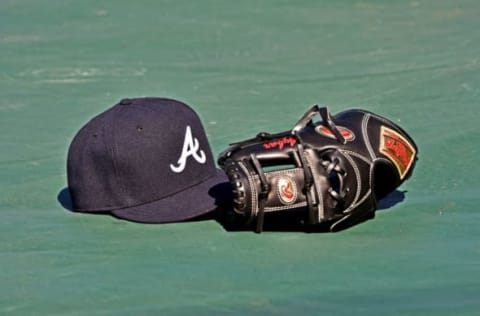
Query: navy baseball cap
x=145 y=160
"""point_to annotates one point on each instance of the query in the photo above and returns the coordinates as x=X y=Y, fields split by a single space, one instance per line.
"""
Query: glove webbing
x=309 y=181
x=308 y=178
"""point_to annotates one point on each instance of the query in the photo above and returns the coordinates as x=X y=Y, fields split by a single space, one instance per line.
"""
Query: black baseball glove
x=330 y=173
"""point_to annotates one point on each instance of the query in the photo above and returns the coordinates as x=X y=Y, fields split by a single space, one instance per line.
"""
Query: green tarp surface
x=245 y=67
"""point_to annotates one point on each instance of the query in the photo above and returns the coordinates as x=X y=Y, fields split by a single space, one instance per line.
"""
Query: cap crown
x=139 y=151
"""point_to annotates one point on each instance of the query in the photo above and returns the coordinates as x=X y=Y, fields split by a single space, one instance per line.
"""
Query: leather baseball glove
x=330 y=172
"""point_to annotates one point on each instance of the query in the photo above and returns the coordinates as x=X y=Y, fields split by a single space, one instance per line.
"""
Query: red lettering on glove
x=280 y=143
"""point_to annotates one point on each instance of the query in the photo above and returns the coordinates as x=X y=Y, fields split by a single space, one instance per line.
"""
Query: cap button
x=126 y=102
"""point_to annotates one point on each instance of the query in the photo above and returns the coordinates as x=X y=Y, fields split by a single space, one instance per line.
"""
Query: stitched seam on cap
x=115 y=152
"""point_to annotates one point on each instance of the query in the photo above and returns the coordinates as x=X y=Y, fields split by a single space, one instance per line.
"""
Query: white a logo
x=191 y=147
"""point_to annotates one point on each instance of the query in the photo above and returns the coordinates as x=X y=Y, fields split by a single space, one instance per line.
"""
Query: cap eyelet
x=126 y=102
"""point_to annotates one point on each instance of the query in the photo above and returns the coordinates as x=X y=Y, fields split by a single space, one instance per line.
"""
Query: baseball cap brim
x=192 y=202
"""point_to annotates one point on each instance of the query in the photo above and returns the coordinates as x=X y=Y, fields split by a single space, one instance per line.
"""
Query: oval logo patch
x=346 y=133
x=286 y=190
